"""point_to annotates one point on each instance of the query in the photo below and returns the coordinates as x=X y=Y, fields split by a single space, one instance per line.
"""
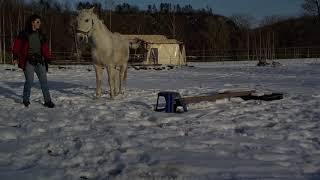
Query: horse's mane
x=101 y=24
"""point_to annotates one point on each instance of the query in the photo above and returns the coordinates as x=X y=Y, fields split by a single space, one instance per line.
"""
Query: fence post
x=1 y=59
x=203 y=53
x=285 y=53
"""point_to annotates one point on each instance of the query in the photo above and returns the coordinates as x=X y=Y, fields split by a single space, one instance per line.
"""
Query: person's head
x=33 y=23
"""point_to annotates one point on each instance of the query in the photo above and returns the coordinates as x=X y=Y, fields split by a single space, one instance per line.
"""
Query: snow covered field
x=84 y=138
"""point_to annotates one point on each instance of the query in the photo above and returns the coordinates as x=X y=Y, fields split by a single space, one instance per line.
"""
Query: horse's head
x=84 y=23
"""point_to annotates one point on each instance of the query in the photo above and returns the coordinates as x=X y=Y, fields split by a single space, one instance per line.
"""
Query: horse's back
x=121 y=48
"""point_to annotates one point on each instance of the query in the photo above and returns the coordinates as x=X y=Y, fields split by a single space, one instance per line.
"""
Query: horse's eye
x=87 y=20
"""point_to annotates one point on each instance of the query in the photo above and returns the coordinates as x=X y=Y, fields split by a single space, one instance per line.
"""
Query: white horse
x=108 y=49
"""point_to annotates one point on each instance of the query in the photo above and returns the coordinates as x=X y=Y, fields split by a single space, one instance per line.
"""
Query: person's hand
x=14 y=62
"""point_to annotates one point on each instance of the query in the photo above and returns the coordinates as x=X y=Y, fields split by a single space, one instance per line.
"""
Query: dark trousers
x=40 y=70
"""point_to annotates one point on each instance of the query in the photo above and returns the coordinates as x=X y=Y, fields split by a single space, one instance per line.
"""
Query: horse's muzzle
x=82 y=37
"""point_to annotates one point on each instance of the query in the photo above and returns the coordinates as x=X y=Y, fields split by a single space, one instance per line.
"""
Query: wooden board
x=197 y=99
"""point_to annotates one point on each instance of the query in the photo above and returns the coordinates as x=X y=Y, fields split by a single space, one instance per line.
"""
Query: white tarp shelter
x=161 y=50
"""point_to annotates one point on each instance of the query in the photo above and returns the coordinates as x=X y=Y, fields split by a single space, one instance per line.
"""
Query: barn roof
x=152 y=39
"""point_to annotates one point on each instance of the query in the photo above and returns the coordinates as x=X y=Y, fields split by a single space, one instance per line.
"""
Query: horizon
x=258 y=9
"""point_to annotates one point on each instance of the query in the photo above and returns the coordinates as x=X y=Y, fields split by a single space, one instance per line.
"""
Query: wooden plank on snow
x=227 y=95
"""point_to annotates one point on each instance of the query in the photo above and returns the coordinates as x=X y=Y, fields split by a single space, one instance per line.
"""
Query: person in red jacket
x=31 y=53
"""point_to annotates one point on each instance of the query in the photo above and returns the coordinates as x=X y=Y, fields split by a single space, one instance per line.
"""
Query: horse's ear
x=91 y=9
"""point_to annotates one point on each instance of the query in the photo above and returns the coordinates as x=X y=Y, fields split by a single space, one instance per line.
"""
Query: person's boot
x=49 y=104
x=26 y=103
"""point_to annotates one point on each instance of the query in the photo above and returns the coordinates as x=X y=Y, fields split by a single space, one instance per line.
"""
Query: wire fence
x=253 y=54
x=71 y=58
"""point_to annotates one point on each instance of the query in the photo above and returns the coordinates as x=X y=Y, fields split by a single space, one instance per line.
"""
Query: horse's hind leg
x=98 y=70
x=111 y=80
x=123 y=77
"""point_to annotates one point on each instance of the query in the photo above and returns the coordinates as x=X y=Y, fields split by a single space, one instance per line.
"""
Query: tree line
x=203 y=32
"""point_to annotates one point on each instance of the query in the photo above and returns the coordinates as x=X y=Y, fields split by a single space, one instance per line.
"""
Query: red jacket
x=21 y=47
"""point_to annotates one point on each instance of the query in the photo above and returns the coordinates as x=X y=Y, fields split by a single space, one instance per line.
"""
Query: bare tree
x=4 y=37
x=1 y=40
x=217 y=35
x=172 y=21
x=312 y=7
x=270 y=20
x=11 y=34
x=245 y=22
x=111 y=4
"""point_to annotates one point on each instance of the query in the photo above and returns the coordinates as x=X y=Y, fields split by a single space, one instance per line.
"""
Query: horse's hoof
x=112 y=96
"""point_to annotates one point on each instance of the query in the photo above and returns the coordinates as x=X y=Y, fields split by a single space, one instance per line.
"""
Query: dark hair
x=28 y=27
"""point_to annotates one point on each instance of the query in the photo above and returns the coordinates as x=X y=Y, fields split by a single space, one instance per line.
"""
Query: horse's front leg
x=98 y=70
x=111 y=80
